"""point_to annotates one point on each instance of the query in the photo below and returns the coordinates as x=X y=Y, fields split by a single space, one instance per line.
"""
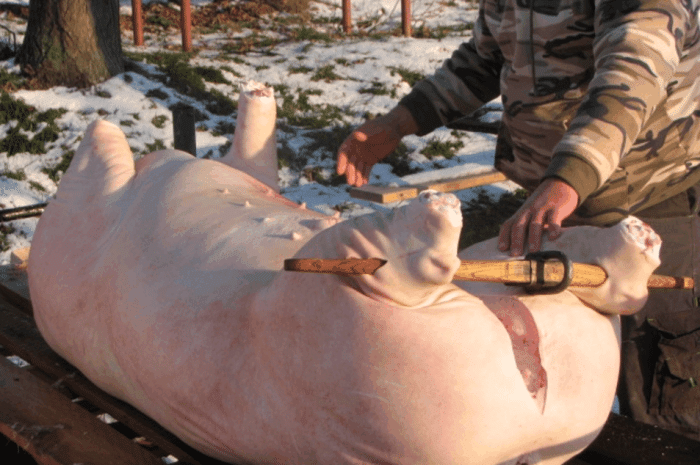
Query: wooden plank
x=54 y=430
x=386 y=194
x=19 y=334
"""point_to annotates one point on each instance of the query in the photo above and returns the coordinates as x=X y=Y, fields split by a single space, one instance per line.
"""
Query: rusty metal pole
x=137 y=19
x=347 y=19
x=406 y=17
x=186 y=25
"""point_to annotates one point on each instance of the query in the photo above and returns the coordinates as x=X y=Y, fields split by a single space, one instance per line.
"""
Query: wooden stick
x=27 y=211
x=341 y=266
x=492 y=271
x=383 y=194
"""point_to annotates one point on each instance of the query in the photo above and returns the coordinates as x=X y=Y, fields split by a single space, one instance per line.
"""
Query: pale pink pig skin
x=163 y=283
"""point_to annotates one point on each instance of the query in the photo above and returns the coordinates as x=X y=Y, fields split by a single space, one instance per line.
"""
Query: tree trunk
x=74 y=43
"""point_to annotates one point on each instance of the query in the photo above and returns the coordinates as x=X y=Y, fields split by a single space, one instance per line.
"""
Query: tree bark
x=74 y=43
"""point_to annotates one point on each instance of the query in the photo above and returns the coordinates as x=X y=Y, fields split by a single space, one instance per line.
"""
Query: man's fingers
x=350 y=173
x=504 y=236
x=359 y=173
x=556 y=218
x=518 y=233
x=534 y=236
x=360 y=136
x=342 y=161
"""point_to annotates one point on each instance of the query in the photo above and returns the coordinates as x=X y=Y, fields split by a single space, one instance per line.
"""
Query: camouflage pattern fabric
x=603 y=94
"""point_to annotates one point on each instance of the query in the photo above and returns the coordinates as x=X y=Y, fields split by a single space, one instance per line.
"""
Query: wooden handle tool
x=519 y=272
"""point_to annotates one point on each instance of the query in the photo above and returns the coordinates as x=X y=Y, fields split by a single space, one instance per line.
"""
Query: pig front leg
x=254 y=148
x=419 y=242
x=629 y=253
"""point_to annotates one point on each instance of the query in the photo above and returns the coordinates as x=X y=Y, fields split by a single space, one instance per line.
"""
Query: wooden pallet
x=53 y=412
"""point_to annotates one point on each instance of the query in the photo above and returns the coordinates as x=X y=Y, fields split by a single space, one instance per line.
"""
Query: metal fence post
x=137 y=20
x=347 y=19
x=406 y=17
x=186 y=25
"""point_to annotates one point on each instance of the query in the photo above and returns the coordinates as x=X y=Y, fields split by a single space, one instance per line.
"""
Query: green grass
x=445 y=149
x=376 y=88
x=5 y=229
x=37 y=186
x=28 y=119
x=325 y=73
x=56 y=171
x=299 y=69
x=483 y=215
x=159 y=121
x=311 y=34
x=297 y=110
x=18 y=175
x=10 y=81
x=210 y=74
x=411 y=77
x=155 y=146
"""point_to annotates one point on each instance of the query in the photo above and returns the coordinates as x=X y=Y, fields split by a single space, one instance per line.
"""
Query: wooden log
x=385 y=194
x=20 y=336
x=54 y=430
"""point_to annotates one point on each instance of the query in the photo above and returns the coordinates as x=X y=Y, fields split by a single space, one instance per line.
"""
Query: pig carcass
x=162 y=281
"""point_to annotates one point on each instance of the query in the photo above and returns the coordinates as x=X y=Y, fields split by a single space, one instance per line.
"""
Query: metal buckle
x=538 y=285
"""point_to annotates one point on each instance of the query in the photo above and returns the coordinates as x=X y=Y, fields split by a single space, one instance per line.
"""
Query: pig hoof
x=444 y=204
x=641 y=234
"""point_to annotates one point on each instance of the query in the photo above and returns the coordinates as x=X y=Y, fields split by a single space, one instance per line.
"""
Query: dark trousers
x=660 y=373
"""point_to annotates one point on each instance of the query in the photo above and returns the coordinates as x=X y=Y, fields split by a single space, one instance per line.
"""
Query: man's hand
x=545 y=209
x=371 y=142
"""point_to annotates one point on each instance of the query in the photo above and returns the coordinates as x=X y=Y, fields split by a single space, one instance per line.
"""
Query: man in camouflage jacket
x=601 y=104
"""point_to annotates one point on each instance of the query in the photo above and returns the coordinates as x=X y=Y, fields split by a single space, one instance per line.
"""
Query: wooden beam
x=55 y=431
x=384 y=194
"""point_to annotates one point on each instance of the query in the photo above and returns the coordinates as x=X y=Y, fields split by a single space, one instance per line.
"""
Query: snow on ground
x=365 y=79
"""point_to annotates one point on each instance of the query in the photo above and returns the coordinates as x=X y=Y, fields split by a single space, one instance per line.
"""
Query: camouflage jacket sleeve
x=637 y=48
x=466 y=81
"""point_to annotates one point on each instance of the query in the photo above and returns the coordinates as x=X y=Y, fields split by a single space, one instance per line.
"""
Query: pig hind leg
x=254 y=148
x=96 y=179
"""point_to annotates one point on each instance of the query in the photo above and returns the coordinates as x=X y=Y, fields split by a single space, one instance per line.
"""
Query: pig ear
x=102 y=165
